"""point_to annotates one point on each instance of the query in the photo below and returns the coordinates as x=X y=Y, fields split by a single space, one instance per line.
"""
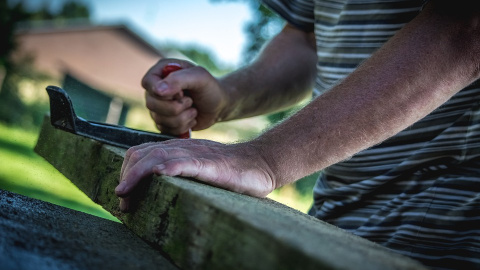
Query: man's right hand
x=241 y=168
x=175 y=113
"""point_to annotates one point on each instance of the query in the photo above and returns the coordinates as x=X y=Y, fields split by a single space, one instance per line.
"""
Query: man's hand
x=240 y=168
x=175 y=113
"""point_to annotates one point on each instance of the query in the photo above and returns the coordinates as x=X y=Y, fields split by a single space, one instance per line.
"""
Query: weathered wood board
x=202 y=227
x=37 y=235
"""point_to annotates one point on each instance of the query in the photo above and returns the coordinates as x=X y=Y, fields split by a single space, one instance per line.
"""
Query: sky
x=218 y=27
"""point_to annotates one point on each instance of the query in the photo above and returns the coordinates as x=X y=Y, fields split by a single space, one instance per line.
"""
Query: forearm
x=420 y=68
x=280 y=77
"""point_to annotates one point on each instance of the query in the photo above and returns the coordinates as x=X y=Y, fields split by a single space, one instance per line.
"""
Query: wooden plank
x=203 y=227
x=39 y=235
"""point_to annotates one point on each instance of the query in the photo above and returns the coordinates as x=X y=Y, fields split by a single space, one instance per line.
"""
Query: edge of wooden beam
x=202 y=227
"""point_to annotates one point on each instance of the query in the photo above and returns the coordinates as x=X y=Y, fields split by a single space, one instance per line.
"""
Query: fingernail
x=121 y=187
x=123 y=206
x=188 y=103
x=161 y=87
x=158 y=169
x=193 y=114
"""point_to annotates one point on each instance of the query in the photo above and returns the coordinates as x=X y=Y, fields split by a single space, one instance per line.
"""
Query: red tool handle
x=169 y=68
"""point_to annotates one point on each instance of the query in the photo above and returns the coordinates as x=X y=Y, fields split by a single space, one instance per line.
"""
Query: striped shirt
x=418 y=193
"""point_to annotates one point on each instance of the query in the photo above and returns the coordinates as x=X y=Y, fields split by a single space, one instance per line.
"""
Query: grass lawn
x=24 y=172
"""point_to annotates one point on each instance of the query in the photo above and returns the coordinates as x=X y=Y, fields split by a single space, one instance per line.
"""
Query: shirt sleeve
x=299 y=13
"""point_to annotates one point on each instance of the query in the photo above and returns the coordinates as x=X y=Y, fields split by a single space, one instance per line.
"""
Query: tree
x=9 y=17
x=262 y=28
x=74 y=10
x=264 y=25
x=12 y=109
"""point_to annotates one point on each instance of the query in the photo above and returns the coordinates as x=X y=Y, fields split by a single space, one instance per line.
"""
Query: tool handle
x=169 y=68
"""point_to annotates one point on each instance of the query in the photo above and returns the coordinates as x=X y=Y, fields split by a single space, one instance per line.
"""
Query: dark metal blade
x=63 y=116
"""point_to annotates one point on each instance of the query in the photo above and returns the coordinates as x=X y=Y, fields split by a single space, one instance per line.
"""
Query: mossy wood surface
x=202 y=227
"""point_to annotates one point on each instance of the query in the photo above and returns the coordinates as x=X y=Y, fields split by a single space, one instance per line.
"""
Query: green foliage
x=200 y=56
x=69 y=10
x=74 y=10
x=262 y=28
x=10 y=15
x=12 y=109
x=264 y=25
x=279 y=116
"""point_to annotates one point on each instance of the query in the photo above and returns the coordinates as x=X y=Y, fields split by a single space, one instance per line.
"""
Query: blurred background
x=98 y=51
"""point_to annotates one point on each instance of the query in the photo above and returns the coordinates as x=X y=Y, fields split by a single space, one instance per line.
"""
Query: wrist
x=227 y=108
x=261 y=177
x=267 y=160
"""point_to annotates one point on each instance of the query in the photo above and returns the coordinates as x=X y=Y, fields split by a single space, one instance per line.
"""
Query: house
x=101 y=67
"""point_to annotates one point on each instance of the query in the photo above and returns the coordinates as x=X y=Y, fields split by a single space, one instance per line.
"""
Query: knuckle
x=182 y=120
x=187 y=102
x=177 y=110
x=201 y=70
x=130 y=151
x=156 y=118
x=169 y=167
x=172 y=165
x=198 y=163
x=150 y=103
x=161 y=128
x=159 y=153
x=172 y=123
x=135 y=155
x=145 y=83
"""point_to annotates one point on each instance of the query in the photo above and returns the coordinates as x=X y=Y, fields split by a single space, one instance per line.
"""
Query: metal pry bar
x=63 y=116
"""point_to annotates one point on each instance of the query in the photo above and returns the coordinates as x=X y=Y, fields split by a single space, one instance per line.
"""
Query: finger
x=191 y=79
x=138 y=152
x=166 y=88
x=174 y=121
x=127 y=161
x=124 y=204
x=199 y=168
x=194 y=78
x=133 y=174
x=155 y=72
x=177 y=124
x=152 y=81
x=216 y=173
x=137 y=170
x=167 y=107
x=177 y=131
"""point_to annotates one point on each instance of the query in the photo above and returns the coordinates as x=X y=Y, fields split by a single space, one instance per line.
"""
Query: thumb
x=167 y=90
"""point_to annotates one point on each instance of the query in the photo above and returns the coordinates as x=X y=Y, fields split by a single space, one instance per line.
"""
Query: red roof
x=110 y=58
